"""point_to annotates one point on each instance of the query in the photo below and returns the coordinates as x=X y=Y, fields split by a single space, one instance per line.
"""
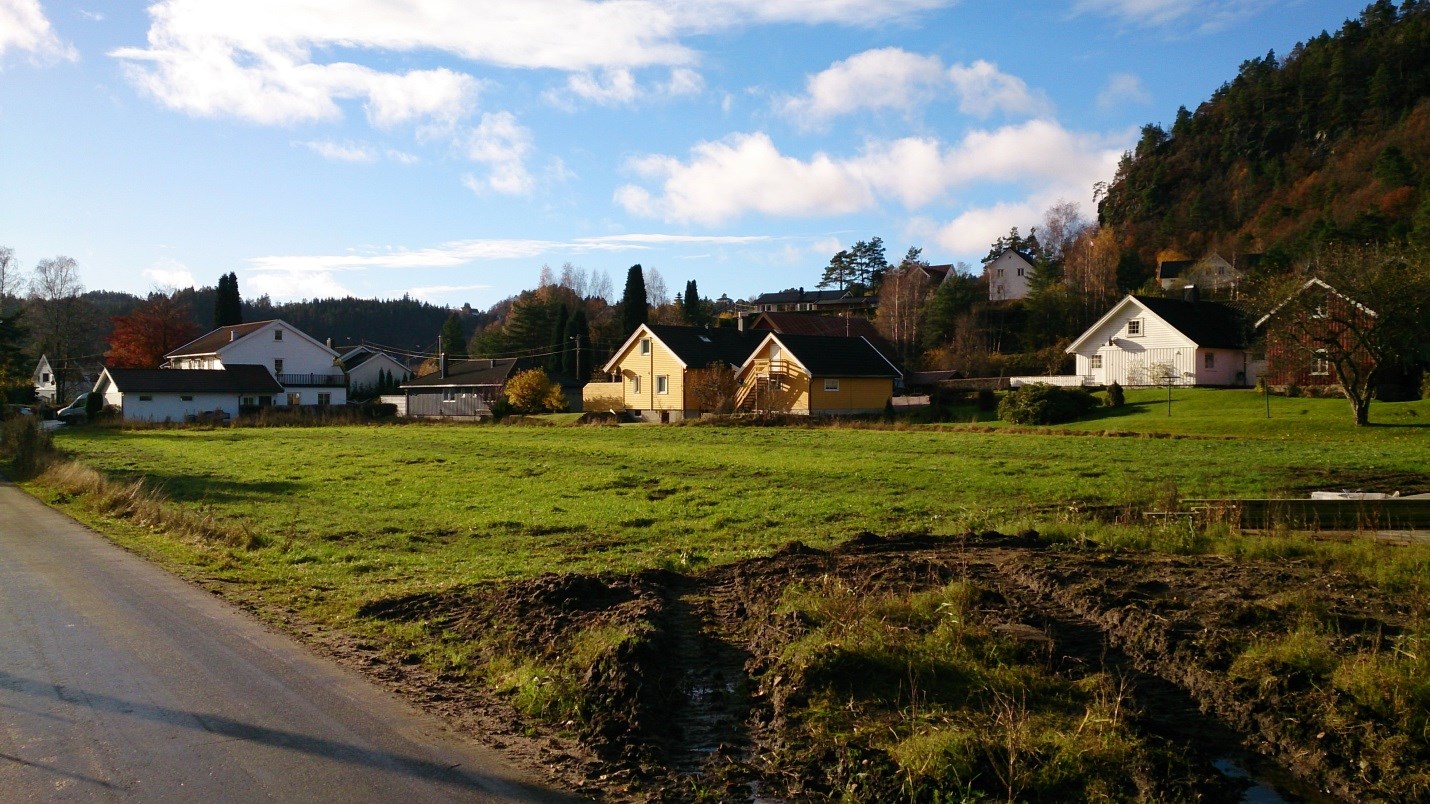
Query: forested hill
x=1328 y=142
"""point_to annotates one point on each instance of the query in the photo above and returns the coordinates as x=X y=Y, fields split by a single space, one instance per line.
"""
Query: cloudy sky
x=448 y=149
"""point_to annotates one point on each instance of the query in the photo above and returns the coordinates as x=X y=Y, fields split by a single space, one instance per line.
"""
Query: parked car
x=74 y=412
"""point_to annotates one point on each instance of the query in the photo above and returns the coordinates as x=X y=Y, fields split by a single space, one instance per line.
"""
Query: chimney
x=329 y=342
x=1189 y=294
x=442 y=364
x=740 y=322
x=232 y=335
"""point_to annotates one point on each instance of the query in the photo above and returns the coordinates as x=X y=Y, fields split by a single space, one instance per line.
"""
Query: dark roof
x=212 y=342
x=352 y=361
x=1171 y=269
x=800 y=296
x=1210 y=324
x=827 y=356
x=807 y=324
x=239 y=378
x=698 y=347
x=465 y=373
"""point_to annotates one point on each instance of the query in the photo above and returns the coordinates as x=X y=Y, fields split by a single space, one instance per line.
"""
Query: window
x=325 y=398
x=636 y=384
x=645 y=346
x=448 y=395
x=831 y=385
x=1134 y=328
x=1210 y=360
x=146 y=398
x=662 y=384
x=186 y=397
x=1321 y=366
x=278 y=365
x=1000 y=273
x=248 y=401
x=44 y=376
x=1097 y=361
x=295 y=399
x=1020 y=272
x=277 y=334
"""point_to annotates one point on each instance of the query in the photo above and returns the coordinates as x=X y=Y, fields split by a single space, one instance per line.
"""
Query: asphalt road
x=119 y=682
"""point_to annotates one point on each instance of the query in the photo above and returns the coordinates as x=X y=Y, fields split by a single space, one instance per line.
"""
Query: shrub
x=1115 y=397
x=24 y=444
x=987 y=400
x=1045 y=404
x=1292 y=389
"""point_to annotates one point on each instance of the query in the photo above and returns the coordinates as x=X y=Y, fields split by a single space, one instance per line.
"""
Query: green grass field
x=456 y=503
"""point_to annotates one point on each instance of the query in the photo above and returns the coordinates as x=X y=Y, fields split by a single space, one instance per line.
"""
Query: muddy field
x=697 y=707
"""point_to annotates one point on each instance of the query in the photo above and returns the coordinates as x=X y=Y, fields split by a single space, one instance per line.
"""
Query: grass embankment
x=319 y=521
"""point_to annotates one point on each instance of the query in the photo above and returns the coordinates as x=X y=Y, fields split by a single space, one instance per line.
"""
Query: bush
x=1045 y=404
x=1115 y=397
x=987 y=400
x=24 y=445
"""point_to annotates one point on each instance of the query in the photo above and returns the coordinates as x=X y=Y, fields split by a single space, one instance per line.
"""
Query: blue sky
x=448 y=149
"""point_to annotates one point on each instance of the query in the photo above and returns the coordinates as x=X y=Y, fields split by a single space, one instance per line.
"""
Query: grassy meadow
x=365 y=508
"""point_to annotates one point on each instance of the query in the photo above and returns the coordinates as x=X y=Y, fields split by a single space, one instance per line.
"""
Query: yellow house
x=670 y=373
x=815 y=376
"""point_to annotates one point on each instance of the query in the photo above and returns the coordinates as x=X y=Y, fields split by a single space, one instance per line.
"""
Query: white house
x=1008 y=275
x=178 y=395
x=309 y=371
x=365 y=366
x=44 y=381
x=1150 y=340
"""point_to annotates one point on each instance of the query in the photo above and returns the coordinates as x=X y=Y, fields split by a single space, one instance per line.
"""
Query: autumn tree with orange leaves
x=158 y=326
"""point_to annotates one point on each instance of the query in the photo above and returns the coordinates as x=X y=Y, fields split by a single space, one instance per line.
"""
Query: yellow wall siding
x=603 y=396
x=660 y=361
x=855 y=393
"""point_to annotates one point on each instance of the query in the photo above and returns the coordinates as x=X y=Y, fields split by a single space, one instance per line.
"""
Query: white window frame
x=277 y=334
x=295 y=400
x=1095 y=361
x=662 y=383
x=636 y=384
x=1134 y=328
x=1209 y=360
x=1320 y=365
x=831 y=384
x=645 y=346
x=325 y=398
x=277 y=366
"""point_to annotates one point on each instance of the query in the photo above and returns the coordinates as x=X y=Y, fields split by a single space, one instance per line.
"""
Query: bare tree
x=57 y=313
x=901 y=304
x=656 y=292
x=1062 y=224
x=601 y=287
x=9 y=274
x=574 y=278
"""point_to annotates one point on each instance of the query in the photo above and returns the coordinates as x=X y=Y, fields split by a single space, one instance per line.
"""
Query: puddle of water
x=1269 y=785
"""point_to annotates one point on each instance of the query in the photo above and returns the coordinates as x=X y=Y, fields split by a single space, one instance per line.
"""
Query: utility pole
x=577 y=339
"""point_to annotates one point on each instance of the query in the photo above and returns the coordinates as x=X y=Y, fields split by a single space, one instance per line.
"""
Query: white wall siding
x=169 y=406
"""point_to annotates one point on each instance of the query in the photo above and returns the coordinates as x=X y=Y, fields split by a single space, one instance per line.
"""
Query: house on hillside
x=309 y=370
x=799 y=300
x=664 y=373
x=815 y=375
x=459 y=389
x=1154 y=340
x=1009 y=275
x=180 y=395
x=1310 y=330
x=367 y=367
x=1212 y=271
x=58 y=385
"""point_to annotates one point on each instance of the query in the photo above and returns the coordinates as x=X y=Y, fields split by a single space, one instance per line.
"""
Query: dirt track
x=693 y=697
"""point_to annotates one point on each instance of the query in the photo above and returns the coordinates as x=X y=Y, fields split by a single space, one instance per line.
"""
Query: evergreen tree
x=453 y=338
x=228 y=304
x=839 y=273
x=578 y=335
x=694 y=314
x=556 y=360
x=635 y=308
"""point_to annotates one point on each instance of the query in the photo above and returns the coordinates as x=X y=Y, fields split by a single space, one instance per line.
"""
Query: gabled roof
x=695 y=347
x=238 y=378
x=468 y=373
x=1310 y=283
x=1025 y=256
x=216 y=340
x=1171 y=269
x=1208 y=324
x=825 y=356
x=826 y=326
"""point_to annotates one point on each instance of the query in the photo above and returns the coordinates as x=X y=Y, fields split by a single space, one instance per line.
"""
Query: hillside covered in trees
x=1329 y=142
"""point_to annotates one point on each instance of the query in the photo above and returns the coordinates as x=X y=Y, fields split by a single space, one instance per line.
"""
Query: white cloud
x=297 y=284
x=1211 y=15
x=436 y=292
x=24 y=28
x=983 y=91
x=1123 y=89
x=170 y=273
x=619 y=87
x=342 y=152
x=255 y=60
x=503 y=145
x=892 y=78
x=746 y=173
